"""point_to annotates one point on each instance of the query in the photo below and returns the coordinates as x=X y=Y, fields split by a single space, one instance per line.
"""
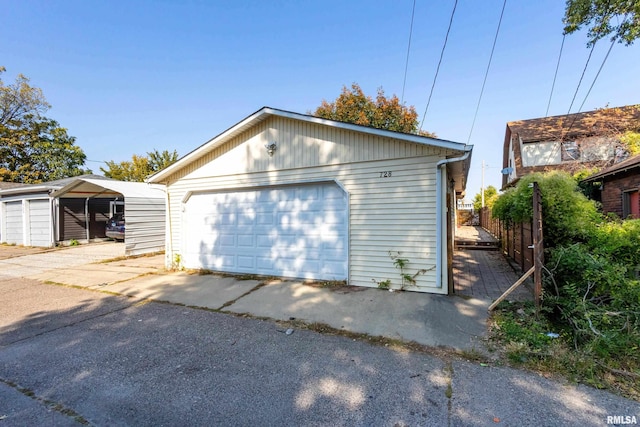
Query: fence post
x=538 y=248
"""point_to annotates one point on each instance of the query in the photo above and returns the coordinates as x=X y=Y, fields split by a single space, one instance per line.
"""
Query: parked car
x=115 y=227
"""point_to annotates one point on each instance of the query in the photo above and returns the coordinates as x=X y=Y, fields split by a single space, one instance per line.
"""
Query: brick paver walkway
x=484 y=274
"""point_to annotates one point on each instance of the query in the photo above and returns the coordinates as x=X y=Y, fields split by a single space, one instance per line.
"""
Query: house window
x=570 y=151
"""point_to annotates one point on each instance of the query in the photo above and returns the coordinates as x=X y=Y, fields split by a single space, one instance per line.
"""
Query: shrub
x=567 y=215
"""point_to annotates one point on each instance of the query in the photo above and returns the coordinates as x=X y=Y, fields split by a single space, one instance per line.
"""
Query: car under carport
x=143 y=205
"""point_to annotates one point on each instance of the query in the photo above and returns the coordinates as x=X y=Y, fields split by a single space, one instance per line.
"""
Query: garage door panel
x=13 y=221
x=289 y=231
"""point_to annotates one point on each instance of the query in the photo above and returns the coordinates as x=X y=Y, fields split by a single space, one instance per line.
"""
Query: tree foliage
x=490 y=196
x=603 y=17
x=33 y=148
x=353 y=106
x=140 y=167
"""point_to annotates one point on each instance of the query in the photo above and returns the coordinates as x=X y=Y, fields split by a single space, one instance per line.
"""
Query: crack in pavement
x=48 y=403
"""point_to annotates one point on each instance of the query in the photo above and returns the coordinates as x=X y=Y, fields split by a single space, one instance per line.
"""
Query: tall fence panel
x=516 y=239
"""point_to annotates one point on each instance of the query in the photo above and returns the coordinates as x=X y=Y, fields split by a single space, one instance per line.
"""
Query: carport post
x=86 y=216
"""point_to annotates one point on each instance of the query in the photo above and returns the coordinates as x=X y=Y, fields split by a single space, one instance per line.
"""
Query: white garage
x=293 y=195
x=291 y=231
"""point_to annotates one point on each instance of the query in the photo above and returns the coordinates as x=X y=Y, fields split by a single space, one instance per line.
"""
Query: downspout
x=439 y=211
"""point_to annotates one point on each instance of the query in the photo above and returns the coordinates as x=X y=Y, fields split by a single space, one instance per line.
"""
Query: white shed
x=292 y=195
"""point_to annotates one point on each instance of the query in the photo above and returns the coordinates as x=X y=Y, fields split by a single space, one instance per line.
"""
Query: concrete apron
x=432 y=320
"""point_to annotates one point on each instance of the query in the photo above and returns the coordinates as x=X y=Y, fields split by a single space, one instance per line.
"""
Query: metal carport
x=144 y=207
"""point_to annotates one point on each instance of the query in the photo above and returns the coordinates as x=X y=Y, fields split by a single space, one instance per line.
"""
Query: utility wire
x=553 y=85
x=597 y=74
x=406 y=65
x=487 y=72
x=592 y=84
x=582 y=76
x=433 y=85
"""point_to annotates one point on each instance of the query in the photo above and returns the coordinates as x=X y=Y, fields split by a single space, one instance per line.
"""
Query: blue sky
x=128 y=77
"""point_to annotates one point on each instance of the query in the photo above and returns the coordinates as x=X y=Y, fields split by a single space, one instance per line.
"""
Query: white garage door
x=291 y=231
x=13 y=221
x=39 y=223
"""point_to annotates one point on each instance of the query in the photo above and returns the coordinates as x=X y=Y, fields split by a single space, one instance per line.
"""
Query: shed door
x=290 y=231
x=39 y=223
x=14 y=224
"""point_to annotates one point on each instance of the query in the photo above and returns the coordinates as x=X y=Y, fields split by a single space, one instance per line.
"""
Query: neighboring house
x=292 y=195
x=570 y=142
x=77 y=208
x=620 y=188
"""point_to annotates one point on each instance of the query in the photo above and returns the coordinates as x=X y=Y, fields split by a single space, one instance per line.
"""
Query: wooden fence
x=516 y=240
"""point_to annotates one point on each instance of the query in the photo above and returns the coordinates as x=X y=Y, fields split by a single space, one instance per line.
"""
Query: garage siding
x=392 y=214
x=145 y=225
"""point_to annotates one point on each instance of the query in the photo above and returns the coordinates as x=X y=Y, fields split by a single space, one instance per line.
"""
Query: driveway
x=37 y=263
x=69 y=356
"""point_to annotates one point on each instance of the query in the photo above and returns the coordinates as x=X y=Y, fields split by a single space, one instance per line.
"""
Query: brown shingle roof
x=558 y=128
x=631 y=163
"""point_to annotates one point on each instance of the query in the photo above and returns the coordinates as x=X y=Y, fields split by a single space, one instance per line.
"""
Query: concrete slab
x=151 y=261
x=93 y=275
x=432 y=320
x=60 y=259
x=210 y=291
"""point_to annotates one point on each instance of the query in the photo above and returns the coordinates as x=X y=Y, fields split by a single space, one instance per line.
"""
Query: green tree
x=603 y=17
x=353 y=106
x=490 y=196
x=139 y=167
x=33 y=148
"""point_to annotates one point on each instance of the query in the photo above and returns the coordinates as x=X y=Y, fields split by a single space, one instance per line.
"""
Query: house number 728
x=386 y=174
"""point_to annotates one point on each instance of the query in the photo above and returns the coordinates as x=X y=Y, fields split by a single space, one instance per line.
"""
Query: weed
x=73 y=242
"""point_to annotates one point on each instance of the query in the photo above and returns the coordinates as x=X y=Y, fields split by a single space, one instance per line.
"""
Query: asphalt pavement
x=73 y=356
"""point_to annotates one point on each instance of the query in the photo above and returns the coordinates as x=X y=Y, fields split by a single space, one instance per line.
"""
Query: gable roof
x=557 y=128
x=624 y=166
x=266 y=112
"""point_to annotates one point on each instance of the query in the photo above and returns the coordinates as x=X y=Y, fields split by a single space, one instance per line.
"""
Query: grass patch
x=521 y=339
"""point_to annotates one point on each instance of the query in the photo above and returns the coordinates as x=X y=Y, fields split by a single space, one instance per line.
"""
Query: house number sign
x=385 y=174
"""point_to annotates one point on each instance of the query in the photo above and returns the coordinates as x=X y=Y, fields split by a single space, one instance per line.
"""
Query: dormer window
x=570 y=151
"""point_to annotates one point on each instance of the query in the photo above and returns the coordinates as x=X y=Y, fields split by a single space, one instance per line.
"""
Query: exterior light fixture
x=271 y=148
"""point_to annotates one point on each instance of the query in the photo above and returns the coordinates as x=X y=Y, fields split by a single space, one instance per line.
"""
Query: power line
x=439 y=62
x=582 y=76
x=591 y=87
x=597 y=74
x=555 y=75
x=406 y=65
x=486 y=74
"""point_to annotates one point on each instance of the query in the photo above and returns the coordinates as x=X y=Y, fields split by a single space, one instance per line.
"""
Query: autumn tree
x=353 y=106
x=33 y=148
x=139 y=167
x=603 y=17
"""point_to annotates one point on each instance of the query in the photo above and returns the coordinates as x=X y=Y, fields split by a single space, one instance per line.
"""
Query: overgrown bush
x=567 y=215
x=591 y=287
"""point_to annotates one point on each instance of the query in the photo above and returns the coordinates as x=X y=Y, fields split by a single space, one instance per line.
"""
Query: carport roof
x=44 y=187
x=90 y=187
